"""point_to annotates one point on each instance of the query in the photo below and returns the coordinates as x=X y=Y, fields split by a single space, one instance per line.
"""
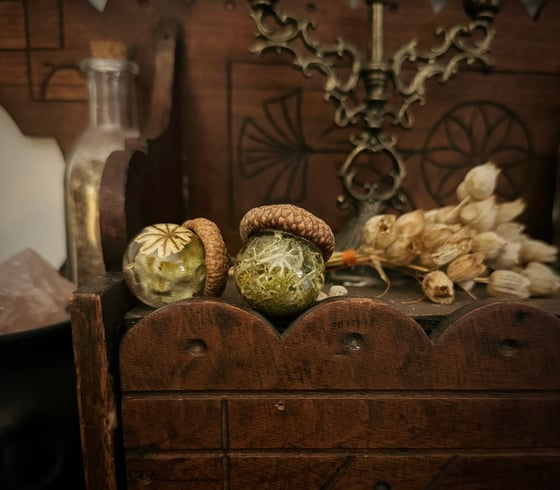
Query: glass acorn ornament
x=168 y=262
x=280 y=268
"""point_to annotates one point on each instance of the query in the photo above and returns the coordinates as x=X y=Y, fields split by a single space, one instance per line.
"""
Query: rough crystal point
x=32 y=293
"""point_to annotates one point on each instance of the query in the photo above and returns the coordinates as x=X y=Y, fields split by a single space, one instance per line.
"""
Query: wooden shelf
x=206 y=393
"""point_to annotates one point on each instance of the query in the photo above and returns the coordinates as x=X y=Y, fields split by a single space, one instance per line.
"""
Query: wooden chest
x=353 y=394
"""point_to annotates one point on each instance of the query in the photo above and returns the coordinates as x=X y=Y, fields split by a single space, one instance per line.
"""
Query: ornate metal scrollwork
x=455 y=38
x=462 y=44
x=314 y=56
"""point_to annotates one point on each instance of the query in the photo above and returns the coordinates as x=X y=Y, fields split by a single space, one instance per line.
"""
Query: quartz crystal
x=165 y=263
x=33 y=294
x=279 y=274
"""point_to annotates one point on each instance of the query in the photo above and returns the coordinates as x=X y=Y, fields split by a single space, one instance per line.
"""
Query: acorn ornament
x=167 y=262
x=280 y=268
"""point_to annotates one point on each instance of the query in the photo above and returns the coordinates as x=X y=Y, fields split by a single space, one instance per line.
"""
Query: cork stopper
x=111 y=50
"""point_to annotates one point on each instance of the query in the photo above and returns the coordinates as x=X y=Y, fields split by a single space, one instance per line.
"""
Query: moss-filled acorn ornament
x=168 y=262
x=280 y=268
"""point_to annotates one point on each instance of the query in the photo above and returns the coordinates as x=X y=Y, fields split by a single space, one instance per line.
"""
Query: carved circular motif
x=471 y=134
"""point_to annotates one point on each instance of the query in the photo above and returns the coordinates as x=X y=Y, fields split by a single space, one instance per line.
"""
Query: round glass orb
x=165 y=263
x=279 y=274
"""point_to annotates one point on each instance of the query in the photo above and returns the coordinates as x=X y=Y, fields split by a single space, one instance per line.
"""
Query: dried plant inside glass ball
x=280 y=269
x=167 y=262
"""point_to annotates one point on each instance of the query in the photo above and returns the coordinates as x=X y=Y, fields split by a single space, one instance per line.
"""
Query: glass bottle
x=112 y=120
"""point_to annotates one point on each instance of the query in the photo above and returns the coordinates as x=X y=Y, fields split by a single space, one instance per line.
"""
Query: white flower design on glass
x=164 y=239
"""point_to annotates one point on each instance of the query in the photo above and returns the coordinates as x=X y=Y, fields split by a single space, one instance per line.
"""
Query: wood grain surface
x=231 y=101
x=353 y=394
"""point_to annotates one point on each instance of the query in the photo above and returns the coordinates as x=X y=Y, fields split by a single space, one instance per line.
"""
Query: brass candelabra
x=462 y=44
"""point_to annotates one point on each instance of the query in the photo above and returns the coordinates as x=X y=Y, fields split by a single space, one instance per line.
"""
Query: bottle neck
x=111 y=93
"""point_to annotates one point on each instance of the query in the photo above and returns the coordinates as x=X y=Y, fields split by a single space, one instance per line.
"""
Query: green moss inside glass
x=279 y=274
x=164 y=264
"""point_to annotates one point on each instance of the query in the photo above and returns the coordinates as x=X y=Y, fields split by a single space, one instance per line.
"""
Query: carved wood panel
x=353 y=395
x=257 y=131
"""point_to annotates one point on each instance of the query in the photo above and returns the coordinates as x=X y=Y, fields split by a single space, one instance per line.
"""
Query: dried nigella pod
x=508 y=258
x=480 y=215
x=511 y=231
x=509 y=211
x=538 y=251
x=410 y=224
x=437 y=234
x=280 y=269
x=543 y=280
x=508 y=284
x=449 y=251
x=480 y=181
x=379 y=232
x=402 y=251
x=466 y=267
x=488 y=243
x=438 y=287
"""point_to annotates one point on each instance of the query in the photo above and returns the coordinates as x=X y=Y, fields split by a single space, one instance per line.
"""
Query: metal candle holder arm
x=370 y=114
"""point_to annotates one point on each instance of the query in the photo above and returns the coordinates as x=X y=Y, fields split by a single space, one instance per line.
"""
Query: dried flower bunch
x=476 y=241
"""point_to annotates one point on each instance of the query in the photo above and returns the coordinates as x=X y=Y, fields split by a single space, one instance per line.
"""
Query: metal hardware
x=470 y=43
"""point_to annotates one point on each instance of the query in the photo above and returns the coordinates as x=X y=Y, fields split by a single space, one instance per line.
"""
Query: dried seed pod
x=450 y=251
x=402 y=251
x=488 y=243
x=511 y=231
x=438 y=287
x=543 y=280
x=461 y=191
x=538 y=251
x=463 y=236
x=436 y=234
x=425 y=260
x=466 y=267
x=508 y=211
x=379 y=232
x=480 y=181
x=508 y=284
x=508 y=258
x=410 y=224
x=480 y=215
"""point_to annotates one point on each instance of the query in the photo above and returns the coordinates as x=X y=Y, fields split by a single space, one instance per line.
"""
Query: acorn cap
x=291 y=219
x=216 y=256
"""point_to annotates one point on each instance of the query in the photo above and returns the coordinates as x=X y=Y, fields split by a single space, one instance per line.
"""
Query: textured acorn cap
x=291 y=219
x=216 y=255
